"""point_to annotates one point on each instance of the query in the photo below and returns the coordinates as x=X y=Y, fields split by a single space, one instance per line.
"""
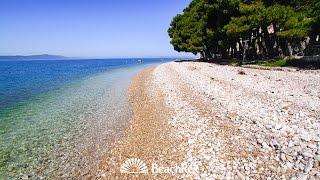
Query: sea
x=59 y=117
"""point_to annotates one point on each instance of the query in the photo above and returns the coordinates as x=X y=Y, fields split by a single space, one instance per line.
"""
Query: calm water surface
x=57 y=118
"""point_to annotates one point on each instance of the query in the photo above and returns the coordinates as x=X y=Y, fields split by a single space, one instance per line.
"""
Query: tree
x=199 y=29
x=258 y=28
x=314 y=12
x=241 y=26
x=188 y=31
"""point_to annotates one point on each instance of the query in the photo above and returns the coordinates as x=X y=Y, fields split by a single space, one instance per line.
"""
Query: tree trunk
x=290 y=50
x=202 y=56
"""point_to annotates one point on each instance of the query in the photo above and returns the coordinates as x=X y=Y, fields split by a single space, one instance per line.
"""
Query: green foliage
x=278 y=14
x=275 y=63
x=212 y=26
x=250 y=17
x=200 y=27
x=314 y=11
x=298 y=26
x=188 y=30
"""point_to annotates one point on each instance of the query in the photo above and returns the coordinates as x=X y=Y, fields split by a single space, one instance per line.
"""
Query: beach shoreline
x=64 y=132
x=148 y=137
x=223 y=121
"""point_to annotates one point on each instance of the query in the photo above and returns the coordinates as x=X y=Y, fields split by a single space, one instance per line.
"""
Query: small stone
x=278 y=127
x=283 y=157
x=317 y=139
x=266 y=147
x=307 y=153
x=290 y=158
x=302 y=177
x=299 y=166
x=240 y=176
x=269 y=126
x=289 y=165
x=308 y=167
x=260 y=141
x=274 y=143
x=312 y=146
x=306 y=137
x=291 y=144
x=25 y=177
x=317 y=162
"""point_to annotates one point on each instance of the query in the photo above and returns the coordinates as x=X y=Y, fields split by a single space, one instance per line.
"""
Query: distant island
x=33 y=57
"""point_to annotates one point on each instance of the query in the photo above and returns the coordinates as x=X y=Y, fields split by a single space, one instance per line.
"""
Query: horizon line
x=101 y=57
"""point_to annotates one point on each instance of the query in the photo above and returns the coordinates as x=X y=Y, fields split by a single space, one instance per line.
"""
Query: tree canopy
x=236 y=27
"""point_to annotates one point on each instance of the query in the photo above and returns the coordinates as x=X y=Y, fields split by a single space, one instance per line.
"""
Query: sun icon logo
x=134 y=166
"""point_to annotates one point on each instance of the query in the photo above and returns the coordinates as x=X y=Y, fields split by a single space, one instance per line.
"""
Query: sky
x=88 y=28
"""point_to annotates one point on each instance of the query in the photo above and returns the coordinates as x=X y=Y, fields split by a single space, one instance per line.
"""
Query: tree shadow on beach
x=305 y=63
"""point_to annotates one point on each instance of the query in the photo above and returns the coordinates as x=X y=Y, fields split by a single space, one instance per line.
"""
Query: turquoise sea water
x=57 y=118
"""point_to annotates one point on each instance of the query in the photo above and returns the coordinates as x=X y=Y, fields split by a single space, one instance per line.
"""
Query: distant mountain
x=32 y=57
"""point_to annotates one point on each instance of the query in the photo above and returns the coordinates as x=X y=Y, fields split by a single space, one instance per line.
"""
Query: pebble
x=306 y=137
x=308 y=167
x=307 y=153
x=283 y=157
x=280 y=124
x=289 y=165
x=302 y=176
x=266 y=147
x=25 y=177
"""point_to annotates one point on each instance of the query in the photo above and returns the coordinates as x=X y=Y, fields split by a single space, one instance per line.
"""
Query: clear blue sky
x=88 y=28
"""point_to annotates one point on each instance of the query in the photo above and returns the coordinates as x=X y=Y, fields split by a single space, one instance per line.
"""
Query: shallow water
x=64 y=129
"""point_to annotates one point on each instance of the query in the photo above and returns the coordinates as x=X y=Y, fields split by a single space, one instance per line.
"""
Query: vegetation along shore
x=248 y=30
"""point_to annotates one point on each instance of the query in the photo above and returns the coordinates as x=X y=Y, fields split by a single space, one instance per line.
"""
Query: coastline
x=66 y=131
x=148 y=136
x=229 y=122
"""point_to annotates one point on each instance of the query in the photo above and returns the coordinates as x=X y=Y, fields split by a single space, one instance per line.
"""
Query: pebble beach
x=226 y=122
